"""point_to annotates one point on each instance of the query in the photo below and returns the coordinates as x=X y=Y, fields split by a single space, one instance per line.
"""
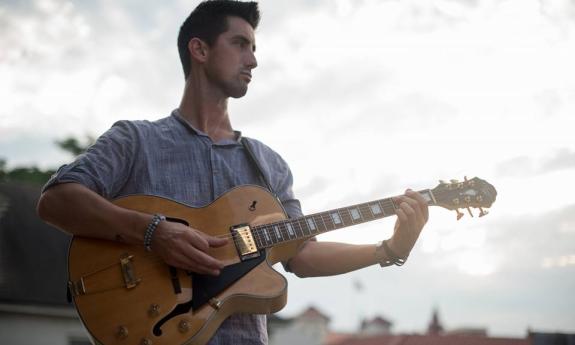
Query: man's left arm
x=318 y=258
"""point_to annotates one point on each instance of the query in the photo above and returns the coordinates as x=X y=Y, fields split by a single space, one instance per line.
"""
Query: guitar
x=126 y=295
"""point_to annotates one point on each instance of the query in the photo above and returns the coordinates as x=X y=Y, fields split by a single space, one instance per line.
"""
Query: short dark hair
x=208 y=20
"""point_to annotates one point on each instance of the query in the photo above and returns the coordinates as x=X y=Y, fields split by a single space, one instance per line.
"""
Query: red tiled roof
x=431 y=340
x=333 y=338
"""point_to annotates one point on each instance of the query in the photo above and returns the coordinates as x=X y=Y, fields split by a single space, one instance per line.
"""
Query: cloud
x=516 y=166
x=525 y=242
x=524 y=166
x=75 y=68
x=563 y=159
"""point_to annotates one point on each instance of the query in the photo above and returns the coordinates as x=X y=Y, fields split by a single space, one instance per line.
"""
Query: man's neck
x=207 y=112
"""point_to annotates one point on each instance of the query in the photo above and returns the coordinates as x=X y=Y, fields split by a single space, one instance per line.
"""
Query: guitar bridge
x=130 y=281
x=244 y=241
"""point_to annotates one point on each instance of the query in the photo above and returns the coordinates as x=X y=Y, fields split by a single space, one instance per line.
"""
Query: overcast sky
x=363 y=99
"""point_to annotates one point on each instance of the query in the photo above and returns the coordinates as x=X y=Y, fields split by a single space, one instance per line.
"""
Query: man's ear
x=198 y=49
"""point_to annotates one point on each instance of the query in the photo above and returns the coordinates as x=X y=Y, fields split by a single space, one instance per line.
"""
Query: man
x=193 y=156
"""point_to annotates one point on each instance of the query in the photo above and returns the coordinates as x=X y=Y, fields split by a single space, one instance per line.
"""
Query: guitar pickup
x=244 y=241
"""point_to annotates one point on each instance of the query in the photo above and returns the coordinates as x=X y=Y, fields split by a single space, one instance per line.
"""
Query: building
x=376 y=326
x=310 y=327
x=33 y=304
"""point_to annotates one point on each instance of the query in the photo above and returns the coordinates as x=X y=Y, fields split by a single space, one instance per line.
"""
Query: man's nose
x=252 y=61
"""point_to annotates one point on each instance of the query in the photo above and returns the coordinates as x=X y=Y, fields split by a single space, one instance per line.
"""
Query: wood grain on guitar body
x=126 y=295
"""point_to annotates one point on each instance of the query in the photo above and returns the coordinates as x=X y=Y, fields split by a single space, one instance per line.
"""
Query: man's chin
x=239 y=93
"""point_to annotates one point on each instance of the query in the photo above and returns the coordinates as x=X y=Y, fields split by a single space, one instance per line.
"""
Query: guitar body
x=126 y=295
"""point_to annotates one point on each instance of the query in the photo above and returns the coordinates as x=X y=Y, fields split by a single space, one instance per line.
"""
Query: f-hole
x=180 y=308
x=253 y=205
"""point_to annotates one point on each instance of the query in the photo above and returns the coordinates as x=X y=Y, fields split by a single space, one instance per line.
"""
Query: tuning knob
x=482 y=212
x=459 y=214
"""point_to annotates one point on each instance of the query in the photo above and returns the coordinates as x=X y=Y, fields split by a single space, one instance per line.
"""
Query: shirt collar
x=176 y=114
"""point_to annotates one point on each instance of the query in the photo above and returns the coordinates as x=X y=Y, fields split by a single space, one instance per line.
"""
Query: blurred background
x=363 y=99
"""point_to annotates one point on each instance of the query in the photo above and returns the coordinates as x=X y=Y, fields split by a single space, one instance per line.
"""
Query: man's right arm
x=80 y=211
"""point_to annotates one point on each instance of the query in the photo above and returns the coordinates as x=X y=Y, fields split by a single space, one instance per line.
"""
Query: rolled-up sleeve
x=106 y=165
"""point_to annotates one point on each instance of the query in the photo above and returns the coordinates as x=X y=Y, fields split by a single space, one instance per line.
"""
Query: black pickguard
x=205 y=287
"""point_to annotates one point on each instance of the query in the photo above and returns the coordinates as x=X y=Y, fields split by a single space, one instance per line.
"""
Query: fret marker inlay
x=290 y=230
x=375 y=209
x=267 y=235
x=277 y=230
x=355 y=214
x=311 y=224
x=335 y=217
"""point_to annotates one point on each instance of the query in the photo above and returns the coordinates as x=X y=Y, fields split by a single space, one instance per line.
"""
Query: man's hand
x=412 y=214
x=186 y=248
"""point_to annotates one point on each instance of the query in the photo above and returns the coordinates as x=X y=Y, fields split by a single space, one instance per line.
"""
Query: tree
x=35 y=175
x=73 y=146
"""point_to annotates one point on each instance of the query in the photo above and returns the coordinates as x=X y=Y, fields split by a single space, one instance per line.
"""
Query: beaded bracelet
x=156 y=219
x=389 y=257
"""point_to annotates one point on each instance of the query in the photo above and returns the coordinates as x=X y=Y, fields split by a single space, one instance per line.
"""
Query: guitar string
x=324 y=216
x=258 y=229
x=280 y=225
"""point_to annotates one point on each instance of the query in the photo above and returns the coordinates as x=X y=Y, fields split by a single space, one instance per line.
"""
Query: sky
x=363 y=99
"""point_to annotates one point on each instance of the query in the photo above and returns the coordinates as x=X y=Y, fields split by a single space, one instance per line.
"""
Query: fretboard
x=269 y=235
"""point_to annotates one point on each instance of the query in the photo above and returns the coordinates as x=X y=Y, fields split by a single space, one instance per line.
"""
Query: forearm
x=331 y=258
x=79 y=211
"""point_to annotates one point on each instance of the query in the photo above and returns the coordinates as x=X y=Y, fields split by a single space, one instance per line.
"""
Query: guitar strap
x=257 y=165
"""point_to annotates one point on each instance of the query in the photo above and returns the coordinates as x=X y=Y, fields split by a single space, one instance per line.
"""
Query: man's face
x=231 y=58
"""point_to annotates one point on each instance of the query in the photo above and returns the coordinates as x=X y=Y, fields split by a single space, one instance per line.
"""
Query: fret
x=365 y=212
x=277 y=233
x=311 y=225
x=271 y=234
x=335 y=218
x=306 y=226
x=341 y=217
x=346 y=216
x=290 y=231
x=327 y=221
x=284 y=231
x=318 y=220
x=395 y=207
x=376 y=210
x=256 y=235
x=388 y=206
x=355 y=215
x=267 y=236
x=300 y=227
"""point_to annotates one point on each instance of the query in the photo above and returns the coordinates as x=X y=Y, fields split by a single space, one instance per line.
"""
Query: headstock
x=455 y=195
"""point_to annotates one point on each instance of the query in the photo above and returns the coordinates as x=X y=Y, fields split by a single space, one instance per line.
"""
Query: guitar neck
x=269 y=235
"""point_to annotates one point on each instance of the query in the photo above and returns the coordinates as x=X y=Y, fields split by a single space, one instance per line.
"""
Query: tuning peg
x=482 y=212
x=459 y=214
x=469 y=210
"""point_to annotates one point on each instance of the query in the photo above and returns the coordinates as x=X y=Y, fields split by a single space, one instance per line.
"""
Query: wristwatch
x=386 y=257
